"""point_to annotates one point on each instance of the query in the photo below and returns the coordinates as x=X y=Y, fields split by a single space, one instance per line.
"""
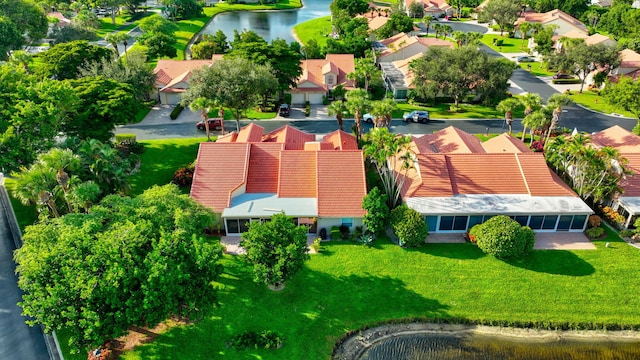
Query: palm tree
x=382 y=111
x=555 y=102
x=524 y=29
x=338 y=108
x=365 y=69
x=507 y=106
x=460 y=37
x=203 y=105
x=534 y=121
x=358 y=104
x=427 y=20
x=437 y=27
x=473 y=38
x=531 y=103
x=116 y=37
x=446 y=30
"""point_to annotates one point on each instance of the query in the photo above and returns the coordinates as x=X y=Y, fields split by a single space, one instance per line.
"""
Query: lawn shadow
x=557 y=262
x=312 y=313
x=462 y=251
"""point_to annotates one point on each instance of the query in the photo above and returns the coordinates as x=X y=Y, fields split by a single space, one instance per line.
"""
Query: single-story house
x=320 y=76
x=629 y=63
x=402 y=46
x=435 y=8
x=457 y=182
x=375 y=20
x=628 y=145
x=563 y=22
x=602 y=3
x=398 y=77
x=590 y=40
x=172 y=78
x=251 y=176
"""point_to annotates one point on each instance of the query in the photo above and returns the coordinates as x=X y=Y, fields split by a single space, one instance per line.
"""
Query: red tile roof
x=262 y=174
x=167 y=70
x=298 y=174
x=341 y=183
x=631 y=184
x=449 y=140
x=292 y=138
x=250 y=133
x=341 y=140
x=221 y=169
x=505 y=143
x=618 y=138
x=314 y=70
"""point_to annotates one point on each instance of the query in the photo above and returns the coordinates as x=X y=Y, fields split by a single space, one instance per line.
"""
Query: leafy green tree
x=104 y=103
x=503 y=12
x=86 y=19
x=544 y=39
x=338 y=108
x=377 y=216
x=398 y=22
x=235 y=83
x=409 y=226
x=382 y=111
x=358 y=104
x=161 y=45
x=182 y=9
x=580 y=59
x=352 y=7
x=312 y=50
x=204 y=50
x=390 y=155
x=115 y=38
x=125 y=263
x=157 y=24
x=277 y=249
x=21 y=22
x=10 y=36
x=503 y=237
x=71 y=33
x=625 y=94
x=63 y=61
x=21 y=58
x=416 y=10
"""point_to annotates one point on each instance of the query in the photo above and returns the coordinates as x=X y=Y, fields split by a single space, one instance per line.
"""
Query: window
x=522 y=219
x=432 y=222
x=578 y=222
x=401 y=94
x=474 y=220
x=330 y=80
x=348 y=222
x=460 y=223
x=310 y=223
x=232 y=226
x=535 y=222
x=446 y=223
x=565 y=222
x=244 y=224
x=549 y=222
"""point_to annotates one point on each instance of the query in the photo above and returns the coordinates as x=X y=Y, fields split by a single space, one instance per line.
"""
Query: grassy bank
x=466 y=111
x=349 y=286
x=317 y=29
x=596 y=102
x=509 y=45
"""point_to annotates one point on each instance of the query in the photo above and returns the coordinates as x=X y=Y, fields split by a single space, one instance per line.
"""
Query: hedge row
x=566 y=81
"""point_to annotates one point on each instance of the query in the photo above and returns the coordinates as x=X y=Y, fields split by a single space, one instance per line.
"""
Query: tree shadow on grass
x=314 y=311
x=558 y=262
x=463 y=251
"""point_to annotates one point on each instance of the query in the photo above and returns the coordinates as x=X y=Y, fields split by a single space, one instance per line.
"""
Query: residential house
x=320 y=76
x=172 y=78
x=628 y=145
x=250 y=176
x=375 y=20
x=398 y=77
x=629 y=66
x=458 y=182
x=590 y=40
x=562 y=22
x=402 y=46
x=435 y=8
x=602 y=3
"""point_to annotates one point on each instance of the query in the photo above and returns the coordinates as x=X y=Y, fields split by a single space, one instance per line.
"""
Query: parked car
x=214 y=124
x=416 y=116
x=525 y=59
x=560 y=75
x=284 y=110
x=368 y=118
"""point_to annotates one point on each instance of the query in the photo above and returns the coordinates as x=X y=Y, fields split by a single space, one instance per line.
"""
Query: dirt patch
x=142 y=335
x=352 y=347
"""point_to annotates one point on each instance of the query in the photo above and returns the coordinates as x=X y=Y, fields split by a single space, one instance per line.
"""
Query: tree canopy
x=125 y=263
x=626 y=94
x=276 y=248
x=580 y=59
x=503 y=237
x=63 y=61
x=503 y=12
x=21 y=21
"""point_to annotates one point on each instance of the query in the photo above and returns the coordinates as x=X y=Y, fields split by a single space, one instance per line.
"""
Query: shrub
x=335 y=233
x=183 y=177
x=626 y=233
x=316 y=245
x=265 y=339
x=344 y=231
x=499 y=42
x=409 y=226
x=594 y=232
x=377 y=216
x=307 y=110
x=613 y=216
x=503 y=237
x=176 y=112
x=537 y=146
x=594 y=221
x=125 y=138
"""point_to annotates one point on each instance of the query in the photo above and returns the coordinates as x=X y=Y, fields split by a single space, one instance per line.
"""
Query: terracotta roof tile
x=485 y=174
x=262 y=174
x=341 y=183
x=318 y=145
x=298 y=174
x=250 y=133
x=313 y=70
x=228 y=137
x=292 y=138
x=540 y=180
x=170 y=69
x=617 y=137
x=341 y=140
x=449 y=140
x=505 y=143
x=221 y=169
x=629 y=58
x=631 y=184
x=433 y=178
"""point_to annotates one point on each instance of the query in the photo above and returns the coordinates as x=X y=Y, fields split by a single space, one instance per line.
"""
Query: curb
x=601 y=113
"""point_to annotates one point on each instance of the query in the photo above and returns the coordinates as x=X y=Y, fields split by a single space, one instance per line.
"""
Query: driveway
x=17 y=340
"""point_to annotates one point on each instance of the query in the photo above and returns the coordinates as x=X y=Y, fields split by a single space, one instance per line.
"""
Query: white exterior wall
x=169 y=98
x=327 y=223
x=562 y=27
x=406 y=52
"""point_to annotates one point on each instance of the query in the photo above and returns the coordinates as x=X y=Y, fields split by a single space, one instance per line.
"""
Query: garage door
x=315 y=99
x=297 y=99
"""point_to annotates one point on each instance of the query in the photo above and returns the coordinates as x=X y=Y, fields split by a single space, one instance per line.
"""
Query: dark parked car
x=214 y=124
x=284 y=110
x=416 y=116
x=563 y=76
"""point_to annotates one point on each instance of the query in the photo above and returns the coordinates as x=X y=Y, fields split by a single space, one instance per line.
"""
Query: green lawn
x=318 y=29
x=596 y=102
x=350 y=286
x=537 y=69
x=510 y=45
x=106 y=26
x=161 y=159
x=441 y=111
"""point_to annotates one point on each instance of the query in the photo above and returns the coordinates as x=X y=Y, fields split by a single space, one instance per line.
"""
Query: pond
x=268 y=24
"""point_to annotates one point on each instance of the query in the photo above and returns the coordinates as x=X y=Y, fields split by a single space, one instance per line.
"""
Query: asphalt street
x=18 y=341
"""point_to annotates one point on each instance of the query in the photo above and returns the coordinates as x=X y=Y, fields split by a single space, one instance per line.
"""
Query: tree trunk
x=206 y=123
x=339 y=118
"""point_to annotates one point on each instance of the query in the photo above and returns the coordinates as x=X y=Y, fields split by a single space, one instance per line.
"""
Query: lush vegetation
x=316 y=29
x=595 y=101
x=503 y=237
x=349 y=286
x=509 y=44
x=409 y=226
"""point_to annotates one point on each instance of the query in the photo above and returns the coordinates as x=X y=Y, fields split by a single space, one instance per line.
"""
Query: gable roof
x=341 y=140
x=618 y=138
x=505 y=143
x=597 y=39
x=262 y=171
x=341 y=183
x=168 y=70
x=629 y=59
x=449 y=140
x=250 y=133
x=549 y=16
x=292 y=138
x=314 y=70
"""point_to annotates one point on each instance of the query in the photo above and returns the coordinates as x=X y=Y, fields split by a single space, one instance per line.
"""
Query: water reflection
x=471 y=347
x=268 y=24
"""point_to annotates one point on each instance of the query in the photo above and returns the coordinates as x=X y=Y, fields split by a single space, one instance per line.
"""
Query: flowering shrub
x=613 y=216
x=537 y=146
x=183 y=177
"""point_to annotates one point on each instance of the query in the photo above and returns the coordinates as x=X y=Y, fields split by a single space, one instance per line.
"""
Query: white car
x=368 y=118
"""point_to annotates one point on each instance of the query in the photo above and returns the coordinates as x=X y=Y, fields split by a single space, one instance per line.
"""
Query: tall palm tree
x=203 y=105
x=534 y=121
x=117 y=37
x=338 y=108
x=446 y=30
x=555 y=102
x=358 y=104
x=437 y=28
x=460 y=37
x=531 y=103
x=524 y=29
x=427 y=20
x=507 y=106
x=382 y=112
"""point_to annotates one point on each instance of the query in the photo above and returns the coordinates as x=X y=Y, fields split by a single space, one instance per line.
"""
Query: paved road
x=17 y=340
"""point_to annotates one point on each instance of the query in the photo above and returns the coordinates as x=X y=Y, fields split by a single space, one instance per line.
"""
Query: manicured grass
x=509 y=45
x=537 y=69
x=596 y=102
x=160 y=160
x=349 y=286
x=106 y=26
x=441 y=111
x=318 y=29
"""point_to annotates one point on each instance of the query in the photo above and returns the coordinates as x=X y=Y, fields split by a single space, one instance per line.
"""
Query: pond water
x=268 y=24
x=468 y=347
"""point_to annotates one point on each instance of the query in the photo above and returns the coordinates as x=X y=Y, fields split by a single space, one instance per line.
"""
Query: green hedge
x=566 y=81
x=125 y=138
x=176 y=112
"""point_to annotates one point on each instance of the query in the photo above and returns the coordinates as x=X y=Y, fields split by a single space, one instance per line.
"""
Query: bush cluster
x=409 y=226
x=503 y=237
x=594 y=232
x=176 y=112
x=265 y=339
x=613 y=216
x=183 y=177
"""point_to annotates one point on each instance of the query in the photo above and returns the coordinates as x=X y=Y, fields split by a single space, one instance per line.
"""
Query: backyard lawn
x=596 y=102
x=537 y=69
x=509 y=45
x=350 y=286
x=318 y=29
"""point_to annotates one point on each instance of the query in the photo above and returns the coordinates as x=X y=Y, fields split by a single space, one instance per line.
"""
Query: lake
x=268 y=24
